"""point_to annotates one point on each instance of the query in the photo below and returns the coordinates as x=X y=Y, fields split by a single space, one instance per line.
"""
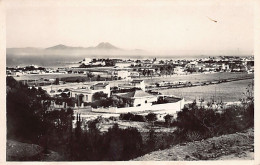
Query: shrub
x=128 y=116
x=113 y=118
x=139 y=118
x=195 y=122
x=193 y=135
x=168 y=119
x=151 y=117
x=99 y=95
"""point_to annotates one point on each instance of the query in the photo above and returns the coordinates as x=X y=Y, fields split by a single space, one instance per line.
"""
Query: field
x=228 y=92
x=46 y=76
x=149 y=80
x=198 y=77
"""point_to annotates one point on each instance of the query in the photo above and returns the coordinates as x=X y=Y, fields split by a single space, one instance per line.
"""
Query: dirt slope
x=17 y=151
x=226 y=147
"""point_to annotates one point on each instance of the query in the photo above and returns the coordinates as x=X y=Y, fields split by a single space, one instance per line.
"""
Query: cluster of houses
x=33 y=69
x=127 y=69
x=129 y=97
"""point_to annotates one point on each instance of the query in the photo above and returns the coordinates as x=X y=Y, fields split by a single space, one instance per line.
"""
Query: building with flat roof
x=86 y=94
x=137 y=98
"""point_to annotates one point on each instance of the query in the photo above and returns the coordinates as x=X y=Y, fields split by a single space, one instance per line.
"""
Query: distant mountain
x=100 y=46
x=45 y=56
x=60 y=47
x=105 y=45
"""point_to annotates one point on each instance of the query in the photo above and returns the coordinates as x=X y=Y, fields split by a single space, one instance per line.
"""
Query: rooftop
x=136 y=94
x=136 y=81
x=101 y=84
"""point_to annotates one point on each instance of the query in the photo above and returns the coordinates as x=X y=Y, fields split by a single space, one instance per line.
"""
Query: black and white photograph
x=147 y=80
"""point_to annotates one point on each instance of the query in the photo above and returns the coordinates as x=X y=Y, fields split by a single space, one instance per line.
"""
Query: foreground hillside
x=17 y=151
x=226 y=147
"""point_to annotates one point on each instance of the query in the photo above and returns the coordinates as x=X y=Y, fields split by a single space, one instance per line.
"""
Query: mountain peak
x=105 y=45
x=60 y=46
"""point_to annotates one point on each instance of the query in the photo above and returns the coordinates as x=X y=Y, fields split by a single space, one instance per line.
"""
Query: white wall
x=171 y=107
x=142 y=100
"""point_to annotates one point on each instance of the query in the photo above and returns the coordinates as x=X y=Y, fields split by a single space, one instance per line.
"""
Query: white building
x=123 y=74
x=225 y=67
x=138 y=98
x=86 y=61
x=178 y=70
x=102 y=63
x=138 y=84
x=134 y=74
x=123 y=64
x=86 y=94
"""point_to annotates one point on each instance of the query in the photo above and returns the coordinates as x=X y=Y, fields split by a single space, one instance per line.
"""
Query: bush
x=139 y=118
x=151 y=117
x=168 y=119
x=99 y=95
x=195 y=122
x=127 y=116
x=193 y=136
x=113 y=118
x=116 y=144
x=132 y=117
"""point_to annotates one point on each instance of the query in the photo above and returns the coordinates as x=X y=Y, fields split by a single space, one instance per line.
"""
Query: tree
x=98 y=77
x=151 y=117
x=152 y=140
x=25 y=111
x=248 y=105
x=168 y=119
x=99 y=95
x=57 y=81
x=90 y=75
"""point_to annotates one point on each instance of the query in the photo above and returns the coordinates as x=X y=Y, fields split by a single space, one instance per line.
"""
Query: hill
x=235 y=146
x=102 y=46
x=17 y=151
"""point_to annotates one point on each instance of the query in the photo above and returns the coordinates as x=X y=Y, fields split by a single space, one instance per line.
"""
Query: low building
x=225 y=67
x=123 y=64
x=123 y=74
x=85 y=94
x=86 y=61
x=137 y=98
x=98 y=63
x=138 y=84
x=179 y=70
x=134 y=74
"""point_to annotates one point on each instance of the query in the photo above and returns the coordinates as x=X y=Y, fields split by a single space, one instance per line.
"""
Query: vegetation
x=132 y=117
x=116 y=144
x=25 y=108
x=168 y=119
x=109 y=102
x=28 y=120
x=151 y=117
x=89 y=77
x=99 y=95
x=197 y=122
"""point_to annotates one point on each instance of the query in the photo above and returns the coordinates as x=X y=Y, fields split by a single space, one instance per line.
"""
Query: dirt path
x=235 y=146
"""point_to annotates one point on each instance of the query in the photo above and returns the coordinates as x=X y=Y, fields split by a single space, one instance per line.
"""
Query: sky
x=168 y=27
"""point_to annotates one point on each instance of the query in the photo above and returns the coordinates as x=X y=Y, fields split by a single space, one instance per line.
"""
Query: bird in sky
x=212 y=20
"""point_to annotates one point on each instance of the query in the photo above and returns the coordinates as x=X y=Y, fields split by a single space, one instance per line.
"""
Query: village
x=124 y=69
x=129 y=81
x=110 y=87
